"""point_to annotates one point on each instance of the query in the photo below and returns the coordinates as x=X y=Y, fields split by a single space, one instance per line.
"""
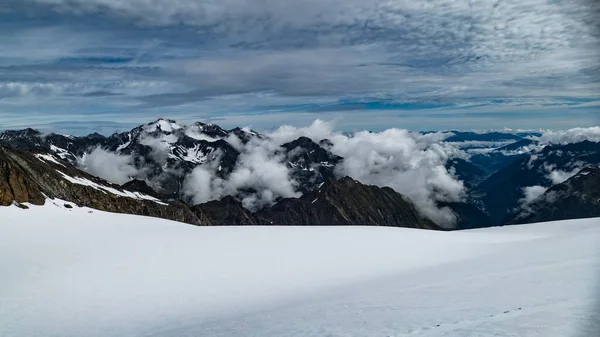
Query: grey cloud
x=101 y=94
x=78 y=128
x=161 y=53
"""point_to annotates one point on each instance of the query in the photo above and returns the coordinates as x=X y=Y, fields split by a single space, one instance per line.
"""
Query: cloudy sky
x=103 y=65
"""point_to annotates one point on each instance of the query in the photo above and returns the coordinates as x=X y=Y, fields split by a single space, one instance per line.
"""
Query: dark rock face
x=139 y=186
x=501 y=193
x=27 y=139
x=468 y=173
x=576 y=198
x=347 y=202
x=336 y=202
x=27 y=178
x=16 y=185
x=224 y=212
x=468 y=215
x=310 y=163
x=245 y=136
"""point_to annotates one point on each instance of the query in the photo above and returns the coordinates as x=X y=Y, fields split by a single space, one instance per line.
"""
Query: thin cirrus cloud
x=237 y=60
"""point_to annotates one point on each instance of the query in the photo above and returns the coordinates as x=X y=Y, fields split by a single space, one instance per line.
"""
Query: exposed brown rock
x=26 y=178
x=337 y=202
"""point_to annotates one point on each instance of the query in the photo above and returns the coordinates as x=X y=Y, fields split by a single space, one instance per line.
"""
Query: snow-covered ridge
x=121 y=193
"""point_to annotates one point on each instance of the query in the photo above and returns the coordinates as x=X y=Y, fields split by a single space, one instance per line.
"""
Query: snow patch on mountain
x=111 y=190
x=197 y=132
x=126 y=144
x=62 y=153
x=48 y=158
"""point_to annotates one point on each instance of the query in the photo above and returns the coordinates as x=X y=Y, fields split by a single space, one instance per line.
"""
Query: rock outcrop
x=347 y=202
x=26 y=177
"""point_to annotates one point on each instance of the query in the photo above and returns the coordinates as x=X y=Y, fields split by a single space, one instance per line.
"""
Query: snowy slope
x=82 y=272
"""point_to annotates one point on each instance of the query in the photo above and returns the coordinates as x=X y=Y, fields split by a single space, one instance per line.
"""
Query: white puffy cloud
x=411 y=163
x=202 y=186
x=260 y=168
x=115 y=168
x=317 y=130
x=532 y=192
x=259 y=178
x=574 y=135
x=557 y=176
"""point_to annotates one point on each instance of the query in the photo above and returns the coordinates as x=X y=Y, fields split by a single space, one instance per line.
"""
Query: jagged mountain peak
x=28 y=132
x=310 y=163
x=95 y=135
x=302 y=141
x=162 y=124
x=210 y=130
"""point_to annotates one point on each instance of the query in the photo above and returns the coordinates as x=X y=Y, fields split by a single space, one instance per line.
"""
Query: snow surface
x=82 y=272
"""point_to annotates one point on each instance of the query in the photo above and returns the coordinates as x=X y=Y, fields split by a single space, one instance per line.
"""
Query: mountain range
x=151 y=166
